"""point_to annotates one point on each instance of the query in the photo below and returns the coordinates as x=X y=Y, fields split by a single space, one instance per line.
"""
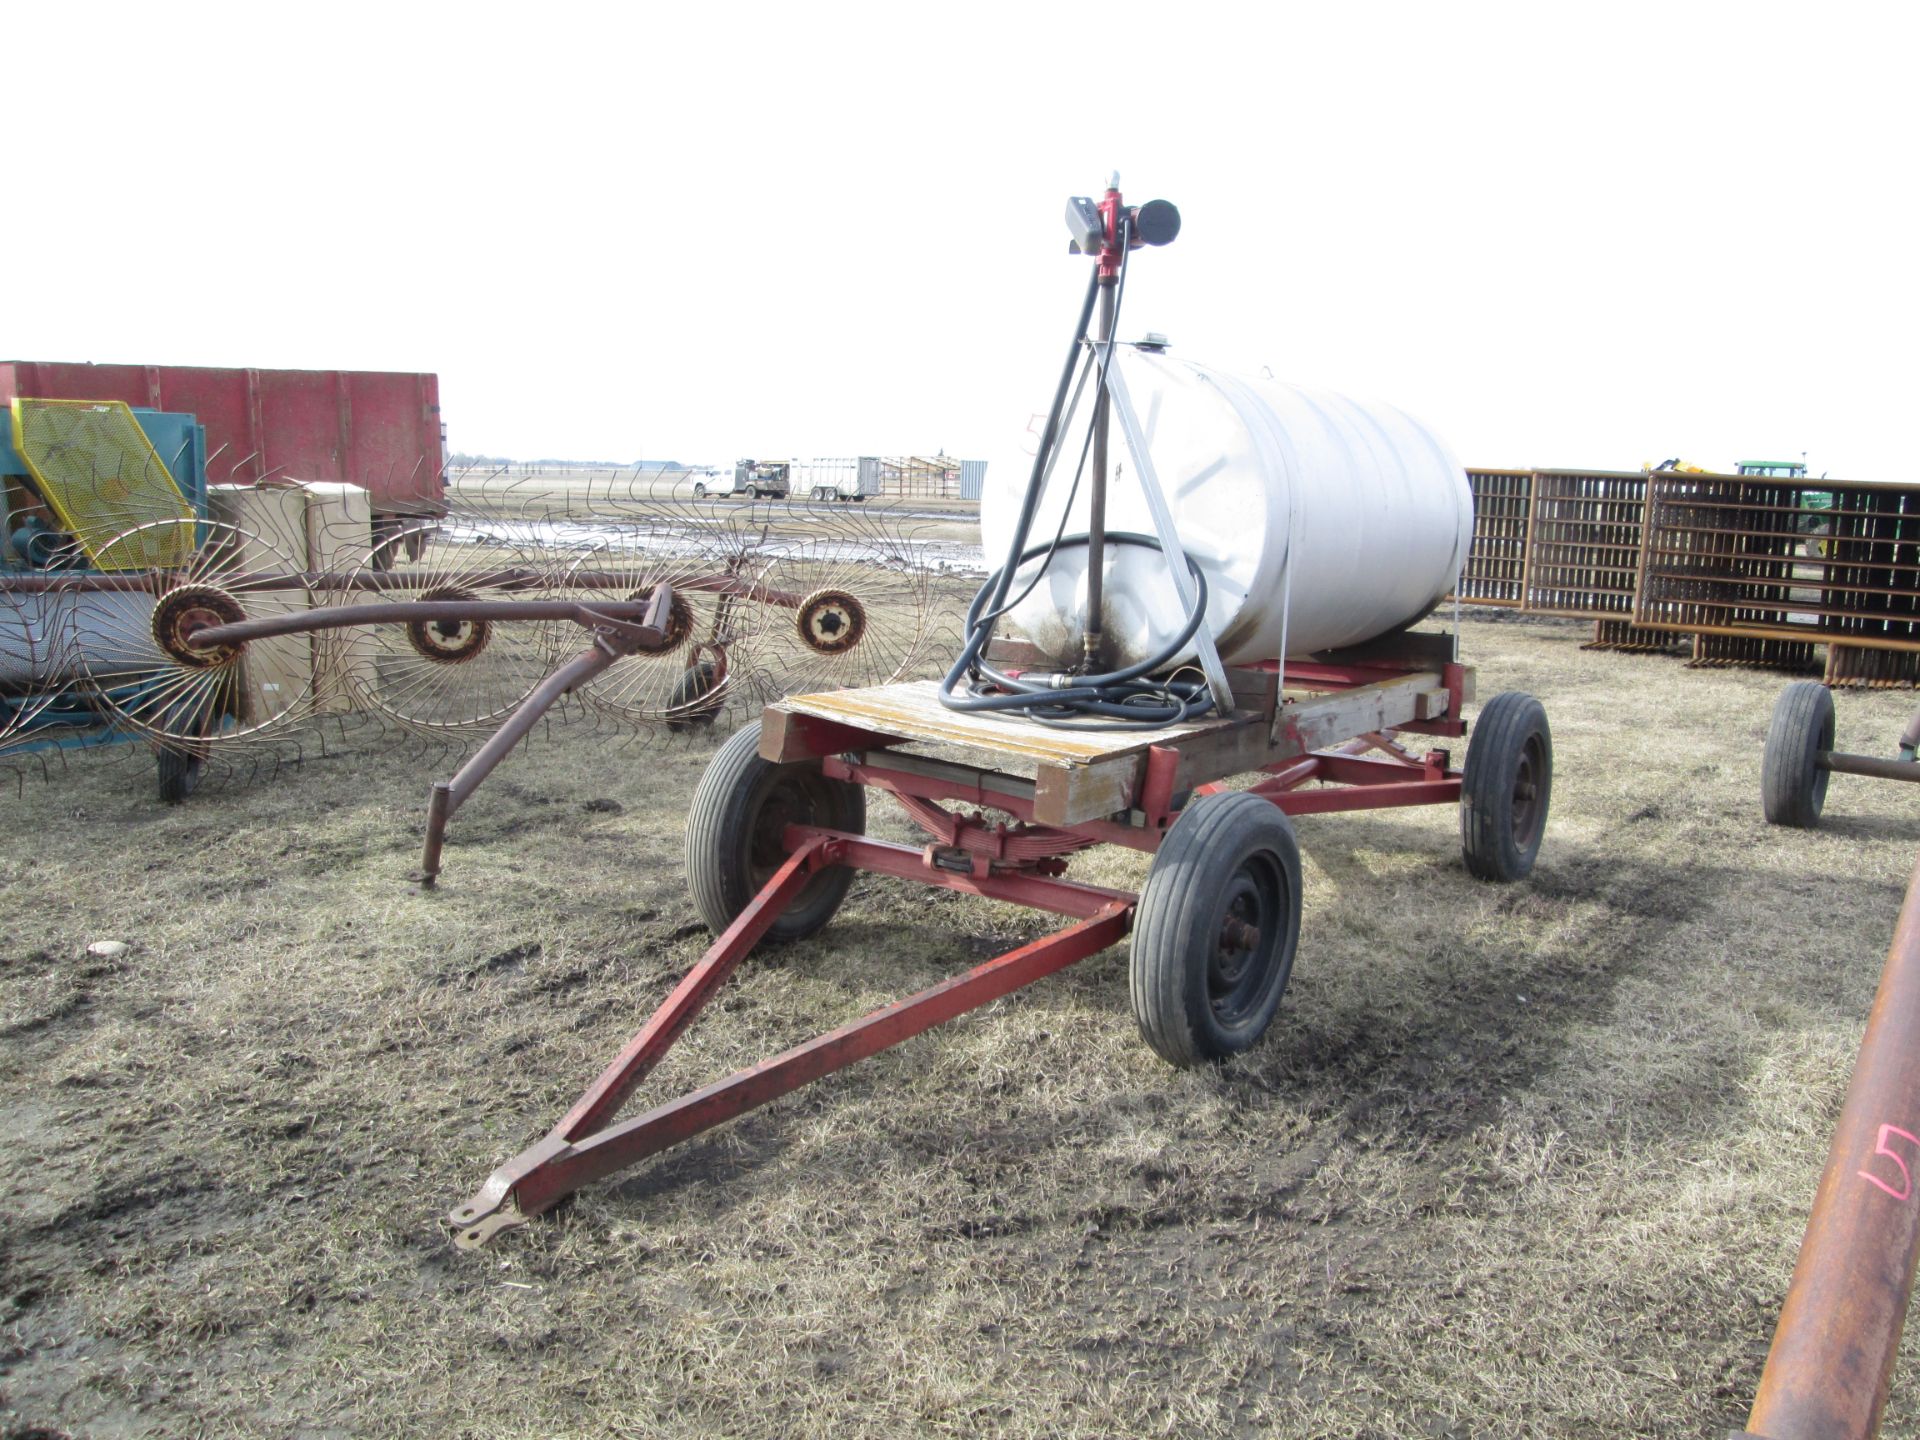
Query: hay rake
x=469 y=629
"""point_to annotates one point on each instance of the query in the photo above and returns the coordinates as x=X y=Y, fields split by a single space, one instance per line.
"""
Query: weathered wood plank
x=786 y=735
x=912 y=711
x=1311 y=722
x=1069 y=794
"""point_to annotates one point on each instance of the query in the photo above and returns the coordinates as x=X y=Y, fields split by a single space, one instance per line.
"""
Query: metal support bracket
x=1169 y=538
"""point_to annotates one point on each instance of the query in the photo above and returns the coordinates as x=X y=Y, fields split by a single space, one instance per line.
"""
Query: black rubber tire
x=179 y=773
x=1197 y=996
x=695 y=681
x=380 y=557
x=739 y=810
x=1506 y=788
x=1793 y=787
x=699 y=490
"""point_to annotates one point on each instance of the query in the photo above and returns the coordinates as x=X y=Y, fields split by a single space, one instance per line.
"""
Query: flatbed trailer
x=776 y=832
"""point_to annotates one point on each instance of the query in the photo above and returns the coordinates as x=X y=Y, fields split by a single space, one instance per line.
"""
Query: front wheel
x=1793 y=787
x=740 y=812
x=699 y=491
x=1506 y=787
x=1216 y=929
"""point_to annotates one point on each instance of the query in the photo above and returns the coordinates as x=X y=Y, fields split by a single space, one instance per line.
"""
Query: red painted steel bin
x=378 y=429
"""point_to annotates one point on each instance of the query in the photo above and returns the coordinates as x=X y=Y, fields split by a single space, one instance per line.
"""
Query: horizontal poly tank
x=1365 y=506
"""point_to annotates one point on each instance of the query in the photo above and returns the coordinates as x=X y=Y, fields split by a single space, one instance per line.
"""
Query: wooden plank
x=1319 y=720
x=1234 y=751
x=989 y=783
x=912 y=711
x=1080 y=775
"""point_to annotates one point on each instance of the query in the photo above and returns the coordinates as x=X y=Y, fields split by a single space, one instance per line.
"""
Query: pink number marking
x=1032 y=420
x=1906 y=1175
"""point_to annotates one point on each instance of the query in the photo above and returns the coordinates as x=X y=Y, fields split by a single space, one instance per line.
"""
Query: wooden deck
x=912 y=711
x=1081 y=775
x=1078 y=774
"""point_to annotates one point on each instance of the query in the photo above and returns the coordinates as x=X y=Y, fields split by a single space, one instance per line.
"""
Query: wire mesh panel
x=94 y=466
x=1792 y=560
x=1495 y=572
x=1583 y=542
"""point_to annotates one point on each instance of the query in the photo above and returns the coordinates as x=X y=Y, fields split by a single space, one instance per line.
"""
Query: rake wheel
x=687 y=679
x=443 y=677
x=135 y=652
x=851 y=600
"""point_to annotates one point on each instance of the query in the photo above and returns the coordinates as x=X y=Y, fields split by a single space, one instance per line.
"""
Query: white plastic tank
x=1336 y=519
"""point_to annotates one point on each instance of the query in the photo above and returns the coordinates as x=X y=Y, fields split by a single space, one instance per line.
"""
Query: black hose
x=1122 y=699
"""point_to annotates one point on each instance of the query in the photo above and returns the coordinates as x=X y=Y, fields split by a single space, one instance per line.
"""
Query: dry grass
x=1526 y=1161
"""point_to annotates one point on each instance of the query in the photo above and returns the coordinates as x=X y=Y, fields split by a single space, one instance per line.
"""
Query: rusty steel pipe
x=66 y=582
x=414 y=612
x=1827 y=1374
x=1870 y=765
x=609 y=647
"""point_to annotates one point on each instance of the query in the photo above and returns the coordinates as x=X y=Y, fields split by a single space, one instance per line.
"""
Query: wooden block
x=1069 y=794
x=1257 y=690
x=786 y=736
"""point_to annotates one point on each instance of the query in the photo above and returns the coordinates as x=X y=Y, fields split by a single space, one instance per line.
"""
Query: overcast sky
x=1562 y=235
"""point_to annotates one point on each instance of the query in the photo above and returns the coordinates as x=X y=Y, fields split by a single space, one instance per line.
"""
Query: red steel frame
x=1021 y=863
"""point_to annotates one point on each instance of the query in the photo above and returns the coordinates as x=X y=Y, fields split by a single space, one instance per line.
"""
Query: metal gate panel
x=1583 y=543
x=1496 y=568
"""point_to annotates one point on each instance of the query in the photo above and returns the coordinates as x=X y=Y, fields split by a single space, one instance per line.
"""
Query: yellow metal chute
x=97 y=471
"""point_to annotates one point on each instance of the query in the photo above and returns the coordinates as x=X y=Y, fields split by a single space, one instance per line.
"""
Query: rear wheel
x=1506 y=787
x=735 y=830
x=179 y=762
x=180 y=769
x=1793 y=787
x=383 y=532
x=1216 y=929
x=696 y=698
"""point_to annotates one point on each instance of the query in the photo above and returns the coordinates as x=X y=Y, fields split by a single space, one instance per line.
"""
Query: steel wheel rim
x=1527 y=777
x=1238 y=975
x=1825 y=744
x=791 y=800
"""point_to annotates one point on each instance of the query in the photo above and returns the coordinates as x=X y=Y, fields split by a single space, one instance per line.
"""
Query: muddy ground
x=1524 y=1161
